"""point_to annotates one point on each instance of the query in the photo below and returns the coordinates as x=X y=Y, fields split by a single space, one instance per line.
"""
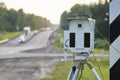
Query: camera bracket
x=78 y=65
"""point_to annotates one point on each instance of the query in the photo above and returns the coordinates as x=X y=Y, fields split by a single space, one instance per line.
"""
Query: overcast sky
x=50 y=9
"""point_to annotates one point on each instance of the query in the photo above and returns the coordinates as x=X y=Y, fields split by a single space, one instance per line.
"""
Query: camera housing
x=79 y=38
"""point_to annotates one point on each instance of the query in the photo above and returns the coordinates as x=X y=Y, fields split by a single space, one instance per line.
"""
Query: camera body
x=79 y=38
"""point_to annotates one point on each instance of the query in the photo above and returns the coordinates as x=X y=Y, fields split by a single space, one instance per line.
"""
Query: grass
x=99 y=51
x=62 y=70
x=57 y=42
x=9 y=35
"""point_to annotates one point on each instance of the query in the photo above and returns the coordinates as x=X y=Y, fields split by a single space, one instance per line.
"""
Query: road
x=28 y=61
x=32 y=60
x=38 y=41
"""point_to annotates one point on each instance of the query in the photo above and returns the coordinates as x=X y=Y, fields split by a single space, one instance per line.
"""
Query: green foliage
x=1 y=36
x=64 y=21
x=99 y=51
x=9 y=35
x=62 y=70
x=57 y=41
x=100 y=43
x=79 y=9
x=10 y=19
x=100 y=13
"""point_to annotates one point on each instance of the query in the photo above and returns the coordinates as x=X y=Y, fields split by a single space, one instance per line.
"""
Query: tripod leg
x=75 y=74
x=96 y=74
x=70 y=74
x=94 y=71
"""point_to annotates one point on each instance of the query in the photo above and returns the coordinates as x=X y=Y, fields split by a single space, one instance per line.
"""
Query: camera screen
x=86 y=39
x=72 y=39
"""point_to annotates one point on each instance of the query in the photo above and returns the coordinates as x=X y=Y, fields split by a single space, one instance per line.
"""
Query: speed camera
x=79 y=38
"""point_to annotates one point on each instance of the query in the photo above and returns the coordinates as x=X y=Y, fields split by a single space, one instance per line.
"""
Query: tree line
x=99 y=12
x=12 y=20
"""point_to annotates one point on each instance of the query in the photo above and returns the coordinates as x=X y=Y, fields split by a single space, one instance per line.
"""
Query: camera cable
x=66 y=42
x=106 y=40
x=93 y=53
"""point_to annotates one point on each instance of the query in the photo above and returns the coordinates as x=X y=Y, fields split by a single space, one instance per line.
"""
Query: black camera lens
x=79 y=25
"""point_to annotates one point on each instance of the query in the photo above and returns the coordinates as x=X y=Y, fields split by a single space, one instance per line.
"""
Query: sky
x=50 y=9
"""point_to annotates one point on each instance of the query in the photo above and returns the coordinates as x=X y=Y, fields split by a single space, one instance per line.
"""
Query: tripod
x=78 y=65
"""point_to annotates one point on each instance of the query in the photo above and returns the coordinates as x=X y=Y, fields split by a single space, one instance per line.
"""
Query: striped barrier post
x=114 y=39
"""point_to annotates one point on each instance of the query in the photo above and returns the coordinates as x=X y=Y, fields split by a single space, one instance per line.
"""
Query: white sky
x=50 y=9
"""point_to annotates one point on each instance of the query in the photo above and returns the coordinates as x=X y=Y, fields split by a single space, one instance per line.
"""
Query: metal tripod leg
x=77 y=66
x=73 y=73
x=70 y=74
x=93 y=70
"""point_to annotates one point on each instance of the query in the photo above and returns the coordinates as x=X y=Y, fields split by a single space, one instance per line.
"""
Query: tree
x=78 y=9
x=100 y=14
x=21 y=18
x=64 y=21
x=10 y=19
x=3 y=14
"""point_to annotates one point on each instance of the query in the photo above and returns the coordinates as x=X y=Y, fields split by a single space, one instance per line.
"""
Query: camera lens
x=79 y=25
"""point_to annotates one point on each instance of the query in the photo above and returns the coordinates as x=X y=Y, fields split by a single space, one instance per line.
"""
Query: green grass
x=62 y=70
x=57 y=42
x=99 y=51
x=9 y=35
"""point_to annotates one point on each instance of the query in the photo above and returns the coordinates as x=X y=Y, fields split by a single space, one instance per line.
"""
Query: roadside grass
x=100 y=51
x=57 y=41
x=59 y=45
x=9 y=35
x=62 y=70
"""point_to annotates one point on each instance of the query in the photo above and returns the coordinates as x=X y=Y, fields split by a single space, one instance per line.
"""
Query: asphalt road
x=40 y=40
x=31 y=60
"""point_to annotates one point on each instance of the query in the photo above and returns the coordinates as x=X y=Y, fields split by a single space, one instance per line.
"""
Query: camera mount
x=78 y=65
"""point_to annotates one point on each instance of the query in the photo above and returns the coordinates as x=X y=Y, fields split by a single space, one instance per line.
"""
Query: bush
x=1 y=36
x=100 y=43
x=57 y=41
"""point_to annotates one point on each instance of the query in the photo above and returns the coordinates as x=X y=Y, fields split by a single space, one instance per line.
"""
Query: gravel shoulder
x=26 y=68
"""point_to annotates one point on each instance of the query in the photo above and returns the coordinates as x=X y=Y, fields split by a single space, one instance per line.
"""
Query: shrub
x=100 y=43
